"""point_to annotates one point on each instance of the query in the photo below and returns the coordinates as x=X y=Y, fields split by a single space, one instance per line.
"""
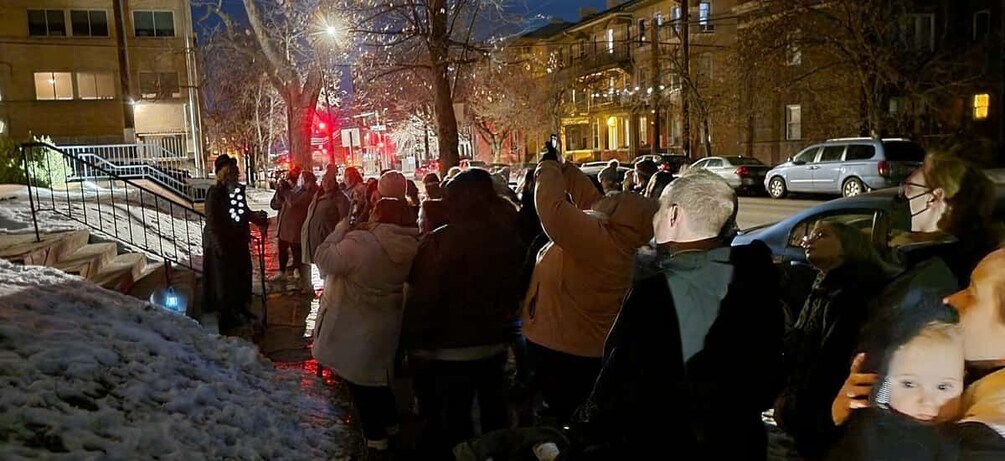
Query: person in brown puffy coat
x=580 y=279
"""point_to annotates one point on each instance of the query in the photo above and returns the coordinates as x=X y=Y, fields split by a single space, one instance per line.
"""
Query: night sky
x=566 y=9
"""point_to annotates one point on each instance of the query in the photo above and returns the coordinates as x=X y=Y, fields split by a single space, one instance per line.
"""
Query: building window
x=659 y=18
x=46 y=23
x=982 y=103
x=675 y=17
x=153 y=23
x=95 y=85
x=705 y=16
x=919 y=32
x=3 y=126
x=793 y=122
x=610 y=41
x=52 y=86
x=642 y=31
x=793 y=53
x=89 y=23
x=982 y=24
x=643 y=131
x=155 y=85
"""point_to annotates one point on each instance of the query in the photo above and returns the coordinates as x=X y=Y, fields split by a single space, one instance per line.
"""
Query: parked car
x=876 y=213
x=666 y=162
x=593 y=172
x=742 y=173
x=468 y=164
x=847 y=166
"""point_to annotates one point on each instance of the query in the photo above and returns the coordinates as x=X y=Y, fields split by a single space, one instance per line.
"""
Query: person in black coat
x=227 y=271
x=684 y=339
x=821 y=345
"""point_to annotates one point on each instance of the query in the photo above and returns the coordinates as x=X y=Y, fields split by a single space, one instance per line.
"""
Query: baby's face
x=926 y=379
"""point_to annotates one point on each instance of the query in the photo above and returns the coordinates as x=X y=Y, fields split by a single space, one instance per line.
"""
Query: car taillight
x=884 y=169
x=742 y=171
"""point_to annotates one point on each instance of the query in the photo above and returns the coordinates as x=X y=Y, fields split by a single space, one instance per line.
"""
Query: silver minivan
x=846 y=166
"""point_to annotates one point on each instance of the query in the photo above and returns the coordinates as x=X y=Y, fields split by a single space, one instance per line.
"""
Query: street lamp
x=335 y=33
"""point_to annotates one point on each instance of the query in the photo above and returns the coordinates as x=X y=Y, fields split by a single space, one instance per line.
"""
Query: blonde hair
x=939 y=333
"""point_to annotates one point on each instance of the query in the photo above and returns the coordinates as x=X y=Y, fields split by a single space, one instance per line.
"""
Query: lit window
x=51 y=86
x=153 y=23
x=793 y=122
x=89 y=23
x=42 y=23
x=705 y=16
x=982 y=102
x=95 y=85
x=643 y=131
x=610 y=41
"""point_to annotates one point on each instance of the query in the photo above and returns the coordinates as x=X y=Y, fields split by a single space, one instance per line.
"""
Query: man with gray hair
x=709 y=319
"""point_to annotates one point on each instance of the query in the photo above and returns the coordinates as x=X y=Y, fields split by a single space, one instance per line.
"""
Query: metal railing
x=139 y=161
x=91 y=167
x=112 y=204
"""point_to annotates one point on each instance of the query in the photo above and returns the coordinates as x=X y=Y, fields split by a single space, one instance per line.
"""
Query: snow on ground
x=86 y=373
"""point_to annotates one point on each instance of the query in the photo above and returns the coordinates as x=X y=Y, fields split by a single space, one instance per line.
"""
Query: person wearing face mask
x=951 y=204
x=821 y=344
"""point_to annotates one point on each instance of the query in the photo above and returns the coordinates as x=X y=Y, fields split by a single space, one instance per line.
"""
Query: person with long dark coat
x=227 y=271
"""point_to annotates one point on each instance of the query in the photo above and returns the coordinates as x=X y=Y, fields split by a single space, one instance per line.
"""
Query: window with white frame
x=53 y=86
x=675 y=17
x=153 y=23
x=982 y=24
x=793 y=122
x=46 y=23
x=705 y=16
x=95 y=85
x=155 y=85
x=643 y=131
x=89 y=23
x=610 y=41
x=919 y=31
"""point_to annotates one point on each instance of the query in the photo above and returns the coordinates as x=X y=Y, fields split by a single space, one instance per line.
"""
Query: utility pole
x=685 y=96
x=658 y=98
x=129 y=121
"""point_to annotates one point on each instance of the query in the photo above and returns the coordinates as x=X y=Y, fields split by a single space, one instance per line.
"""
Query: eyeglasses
x=906 y=184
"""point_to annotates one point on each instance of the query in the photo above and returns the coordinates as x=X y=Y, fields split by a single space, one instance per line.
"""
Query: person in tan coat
x=580 y=279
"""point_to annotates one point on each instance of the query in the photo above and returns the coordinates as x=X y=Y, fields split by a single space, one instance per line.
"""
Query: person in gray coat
x=292 y=204
x=329 y=207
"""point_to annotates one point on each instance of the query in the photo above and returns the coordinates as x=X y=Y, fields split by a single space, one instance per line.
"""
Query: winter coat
x=226 y=283
x=324 y=213
x=819 y=350
x=729 y=300
x=360 y=318
x=292 y=206
x=583 y=274
x=464 y=287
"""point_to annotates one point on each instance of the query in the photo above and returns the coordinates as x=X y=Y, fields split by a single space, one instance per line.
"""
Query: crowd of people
x=580 y=319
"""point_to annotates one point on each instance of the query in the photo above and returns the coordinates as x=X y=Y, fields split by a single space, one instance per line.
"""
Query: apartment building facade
x=101 y=72
x=624 y=80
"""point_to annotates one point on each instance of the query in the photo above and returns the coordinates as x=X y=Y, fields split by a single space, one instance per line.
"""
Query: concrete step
x=23 y=249
x=89 y=260
x=121 y=272
x=151 y=280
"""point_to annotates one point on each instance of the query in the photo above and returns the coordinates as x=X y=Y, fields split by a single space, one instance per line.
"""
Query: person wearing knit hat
x=392 y=185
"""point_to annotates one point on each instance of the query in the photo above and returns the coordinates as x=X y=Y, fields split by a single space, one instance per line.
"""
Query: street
x=755 y=211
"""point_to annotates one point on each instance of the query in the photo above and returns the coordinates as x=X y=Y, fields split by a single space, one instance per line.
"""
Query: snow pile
x=90 y=373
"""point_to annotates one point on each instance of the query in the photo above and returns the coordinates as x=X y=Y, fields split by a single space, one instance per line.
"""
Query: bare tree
x=434 y=39
x=283 y=37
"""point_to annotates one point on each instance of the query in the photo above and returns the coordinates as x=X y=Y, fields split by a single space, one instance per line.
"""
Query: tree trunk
x=298 y=123
x=496 y=148
x=446 y=119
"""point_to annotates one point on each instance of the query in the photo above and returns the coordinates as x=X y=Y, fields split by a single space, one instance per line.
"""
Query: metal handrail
x=142 y=171
x=184 y=258
x=141 y=159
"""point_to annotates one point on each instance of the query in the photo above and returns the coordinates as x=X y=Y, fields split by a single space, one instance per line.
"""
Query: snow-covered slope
x=93 y=374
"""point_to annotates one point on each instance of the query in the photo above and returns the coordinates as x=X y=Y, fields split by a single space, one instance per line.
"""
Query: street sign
x=350 y=137
x=378 y=128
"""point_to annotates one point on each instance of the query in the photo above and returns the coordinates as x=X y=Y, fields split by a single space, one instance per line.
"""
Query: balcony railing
x=620 y=56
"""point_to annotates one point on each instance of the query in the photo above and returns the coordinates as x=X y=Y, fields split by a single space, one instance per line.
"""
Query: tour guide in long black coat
x=226 y=283
x=691 y=361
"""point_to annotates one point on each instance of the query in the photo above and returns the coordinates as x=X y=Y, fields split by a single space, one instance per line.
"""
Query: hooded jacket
x=324 y=213
x=361 y=308
x=582 y=276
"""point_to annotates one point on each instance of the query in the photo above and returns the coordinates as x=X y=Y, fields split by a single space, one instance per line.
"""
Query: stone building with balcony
x=101 y=72
x=624 y=80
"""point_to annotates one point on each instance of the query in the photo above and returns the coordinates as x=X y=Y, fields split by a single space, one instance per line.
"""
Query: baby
x=924 y=376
